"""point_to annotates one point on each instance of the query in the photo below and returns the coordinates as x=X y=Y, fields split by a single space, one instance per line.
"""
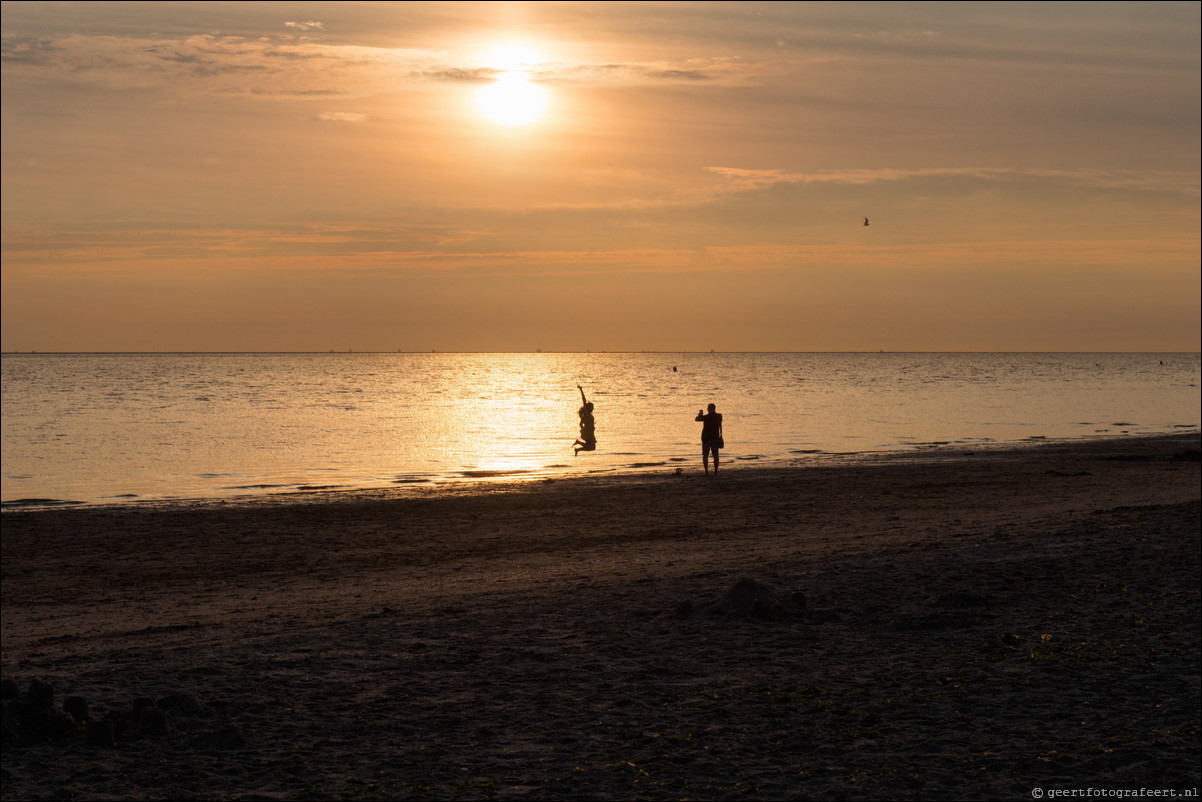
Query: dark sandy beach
x=941 y=626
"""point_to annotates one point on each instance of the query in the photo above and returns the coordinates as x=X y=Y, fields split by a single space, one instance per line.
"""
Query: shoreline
x=968 y=626
x=482 y=480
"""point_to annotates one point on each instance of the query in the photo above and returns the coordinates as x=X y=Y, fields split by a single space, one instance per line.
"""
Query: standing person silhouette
x=711 y=437
x=587 y=441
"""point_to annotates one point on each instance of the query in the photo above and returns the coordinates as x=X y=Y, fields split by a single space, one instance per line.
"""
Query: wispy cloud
x=725 y=71
x=449 y=248
x=29 y=49
x=1184 y=182
x=214 y=64
x=342 y=117
x=291 y=65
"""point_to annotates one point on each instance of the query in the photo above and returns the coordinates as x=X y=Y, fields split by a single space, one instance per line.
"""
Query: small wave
x=491 y=474
x=37 y=502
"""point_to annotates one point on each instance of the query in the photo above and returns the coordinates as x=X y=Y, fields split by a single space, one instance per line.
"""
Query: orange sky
x=316 y=176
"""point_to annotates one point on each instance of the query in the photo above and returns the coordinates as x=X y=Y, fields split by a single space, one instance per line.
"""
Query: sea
x=144 y=428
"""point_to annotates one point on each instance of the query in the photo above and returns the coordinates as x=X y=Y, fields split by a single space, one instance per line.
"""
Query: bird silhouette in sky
x=865 y=221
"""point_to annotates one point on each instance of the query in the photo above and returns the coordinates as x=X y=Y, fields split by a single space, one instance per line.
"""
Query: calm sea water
x=111 y=428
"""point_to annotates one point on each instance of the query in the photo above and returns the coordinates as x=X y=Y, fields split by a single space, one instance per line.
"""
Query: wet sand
x=940 y=626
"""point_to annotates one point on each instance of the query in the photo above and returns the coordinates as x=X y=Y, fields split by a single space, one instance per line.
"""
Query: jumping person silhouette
x=587 y=441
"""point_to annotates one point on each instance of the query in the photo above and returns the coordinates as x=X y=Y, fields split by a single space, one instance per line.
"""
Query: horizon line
x=591 y=351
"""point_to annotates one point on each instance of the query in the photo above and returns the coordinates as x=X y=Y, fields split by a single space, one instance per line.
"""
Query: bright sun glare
x=512 y=99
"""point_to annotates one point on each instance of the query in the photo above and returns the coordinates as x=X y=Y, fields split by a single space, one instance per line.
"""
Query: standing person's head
x=711 y=408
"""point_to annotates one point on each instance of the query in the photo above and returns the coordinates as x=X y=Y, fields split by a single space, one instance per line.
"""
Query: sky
x=665 y=176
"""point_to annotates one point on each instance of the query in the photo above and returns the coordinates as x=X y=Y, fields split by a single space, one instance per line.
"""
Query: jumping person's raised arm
x=583 y=400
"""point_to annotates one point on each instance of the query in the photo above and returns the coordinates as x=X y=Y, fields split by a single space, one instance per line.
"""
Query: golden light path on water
x=502 y=416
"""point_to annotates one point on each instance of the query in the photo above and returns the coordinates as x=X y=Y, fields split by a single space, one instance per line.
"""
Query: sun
x=512 y=99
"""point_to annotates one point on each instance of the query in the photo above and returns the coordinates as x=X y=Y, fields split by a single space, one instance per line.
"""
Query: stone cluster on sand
x=32 y=717
x=750 y=598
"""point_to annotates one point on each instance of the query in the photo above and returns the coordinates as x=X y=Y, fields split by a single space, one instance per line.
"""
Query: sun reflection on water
x=504 y=413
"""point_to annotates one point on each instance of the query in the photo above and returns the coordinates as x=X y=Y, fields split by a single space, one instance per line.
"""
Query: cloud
x=293 y=66
x=458 y=74
x=719 y=71
x=490 y=246
x=25 y=48
x=1183 y=182
x=342 y=117
x=609 y=73
x=214 y=64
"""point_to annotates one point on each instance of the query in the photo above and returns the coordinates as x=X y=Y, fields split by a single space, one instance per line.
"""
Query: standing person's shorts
x=707 y=446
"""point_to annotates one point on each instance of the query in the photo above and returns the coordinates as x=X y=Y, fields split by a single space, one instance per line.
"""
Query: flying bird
x=865 y=221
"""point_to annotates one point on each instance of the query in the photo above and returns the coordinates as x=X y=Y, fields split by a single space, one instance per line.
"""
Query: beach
x=952 y=624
